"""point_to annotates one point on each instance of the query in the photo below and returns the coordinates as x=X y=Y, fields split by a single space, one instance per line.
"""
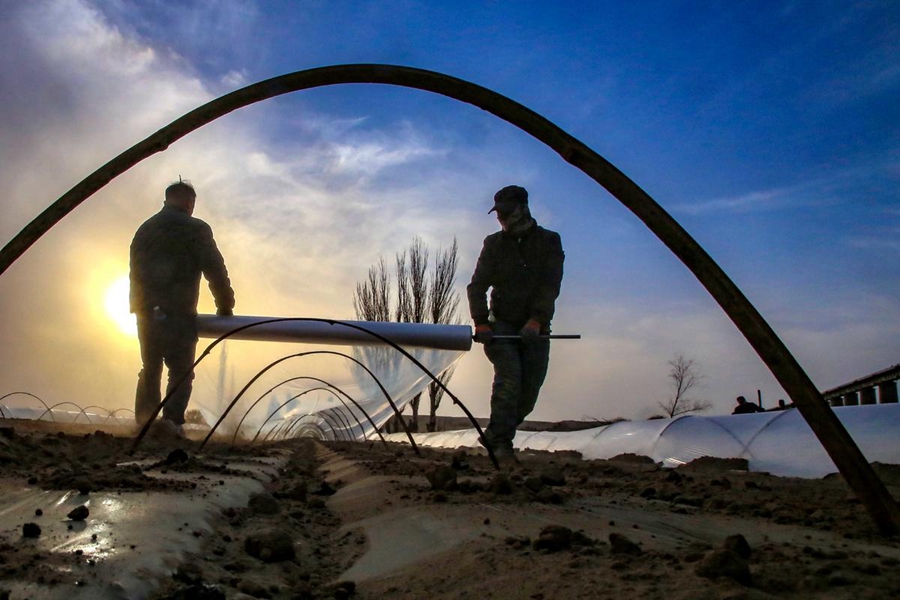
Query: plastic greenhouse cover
x=321 y=387
x=318 y=386
x=316 y=390
x=777 y=442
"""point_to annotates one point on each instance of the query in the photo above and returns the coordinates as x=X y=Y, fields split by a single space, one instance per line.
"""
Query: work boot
x=165 y=430
x=506 y=456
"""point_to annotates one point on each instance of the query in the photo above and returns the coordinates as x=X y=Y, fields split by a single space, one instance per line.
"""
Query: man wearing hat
x=522 y=264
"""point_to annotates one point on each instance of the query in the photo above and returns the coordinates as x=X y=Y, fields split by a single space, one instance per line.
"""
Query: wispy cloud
x=828 y=190
x=303 y=198
x=295 y=243
x=874 y=243
x=234 y=79
x=815 y=193
x=372 y=157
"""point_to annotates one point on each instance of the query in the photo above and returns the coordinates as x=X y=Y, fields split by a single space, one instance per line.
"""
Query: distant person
x=168 y=254
x=745 y=408
x=782 y=405
x=522 y=265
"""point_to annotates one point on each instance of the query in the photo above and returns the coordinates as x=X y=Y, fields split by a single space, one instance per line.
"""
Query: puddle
x=129 y=542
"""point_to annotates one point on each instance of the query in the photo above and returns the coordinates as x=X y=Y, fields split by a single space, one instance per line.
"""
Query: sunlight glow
x=116 y=303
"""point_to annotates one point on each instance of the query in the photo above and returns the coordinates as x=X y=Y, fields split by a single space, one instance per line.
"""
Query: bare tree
x=412 y=283
x=685 y=376
x=412 y=298
x=420 y=299
x=443 y=300
x=435 y=395
x=443 y=304
x=372 y=300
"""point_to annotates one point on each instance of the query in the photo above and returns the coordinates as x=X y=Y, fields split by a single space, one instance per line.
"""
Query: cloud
x=234 y=79
x=303 y=201
x=874 y=243
x=828 y=190
x=298 y=223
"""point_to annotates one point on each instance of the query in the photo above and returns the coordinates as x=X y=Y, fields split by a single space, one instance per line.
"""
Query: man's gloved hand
x=484 y=334
x=225 y=312
x=530 y=331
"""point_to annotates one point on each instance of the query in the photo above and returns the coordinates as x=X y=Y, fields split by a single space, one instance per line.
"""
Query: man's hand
x=225 y=312
x=484 y=334
x=530 y=331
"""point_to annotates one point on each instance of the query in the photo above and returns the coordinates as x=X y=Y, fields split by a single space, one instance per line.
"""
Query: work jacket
x=524 y=273
x=168 y=254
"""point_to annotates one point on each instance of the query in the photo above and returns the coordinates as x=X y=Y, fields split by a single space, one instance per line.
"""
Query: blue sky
x=769 y=130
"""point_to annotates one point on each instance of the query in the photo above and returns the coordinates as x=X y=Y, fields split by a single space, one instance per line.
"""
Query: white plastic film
x=319 y=386
x=310 y=383
x=777 y=442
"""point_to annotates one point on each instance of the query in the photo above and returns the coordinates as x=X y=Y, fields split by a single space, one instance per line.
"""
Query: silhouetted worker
x=782 y=405
x=168 y=254
x=745 y=408
x=523 y=266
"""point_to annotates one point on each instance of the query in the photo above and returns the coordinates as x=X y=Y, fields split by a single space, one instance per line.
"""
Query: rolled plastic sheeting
x=777 y=442
x=421 y=335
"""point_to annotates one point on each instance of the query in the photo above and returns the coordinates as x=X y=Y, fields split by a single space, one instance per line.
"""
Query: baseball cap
x=508 y=198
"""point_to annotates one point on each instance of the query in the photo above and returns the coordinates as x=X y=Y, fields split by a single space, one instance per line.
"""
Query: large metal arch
x=787 y=371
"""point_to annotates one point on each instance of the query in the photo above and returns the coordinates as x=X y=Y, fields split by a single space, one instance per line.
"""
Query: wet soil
x=550 y=526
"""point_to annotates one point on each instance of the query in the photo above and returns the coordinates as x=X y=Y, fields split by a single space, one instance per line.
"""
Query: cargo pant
x=169 y=340
x=519 y=371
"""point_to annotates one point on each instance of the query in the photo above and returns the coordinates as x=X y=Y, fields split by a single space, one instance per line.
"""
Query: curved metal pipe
x=257 y=401
x=331 y=422
x=275 y=412
x=294 y=423
x=744 y=447
x=50 y=410
x=279 y=427
x=285 y=431
x=310 y=425
x=273 y=388
x=345 y=422
x=258 y=375
x=780 y=414
x=36 y=398
x=313 y=425
x=377 y=336
x=828 y=429
x=85 y=409
x=113 y=413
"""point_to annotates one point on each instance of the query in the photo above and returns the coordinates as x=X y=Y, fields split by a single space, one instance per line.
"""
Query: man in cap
x=168 y=254
x=522 y=264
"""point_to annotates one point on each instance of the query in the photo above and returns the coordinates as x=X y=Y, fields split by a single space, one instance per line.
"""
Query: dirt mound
x=551 y=526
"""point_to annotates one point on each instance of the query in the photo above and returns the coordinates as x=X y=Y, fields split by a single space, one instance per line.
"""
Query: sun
x=115 y=301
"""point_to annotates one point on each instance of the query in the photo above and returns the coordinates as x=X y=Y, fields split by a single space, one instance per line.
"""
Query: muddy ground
x=552 y=526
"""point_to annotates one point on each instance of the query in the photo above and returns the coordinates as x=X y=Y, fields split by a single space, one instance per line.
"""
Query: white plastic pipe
x=421 y=335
